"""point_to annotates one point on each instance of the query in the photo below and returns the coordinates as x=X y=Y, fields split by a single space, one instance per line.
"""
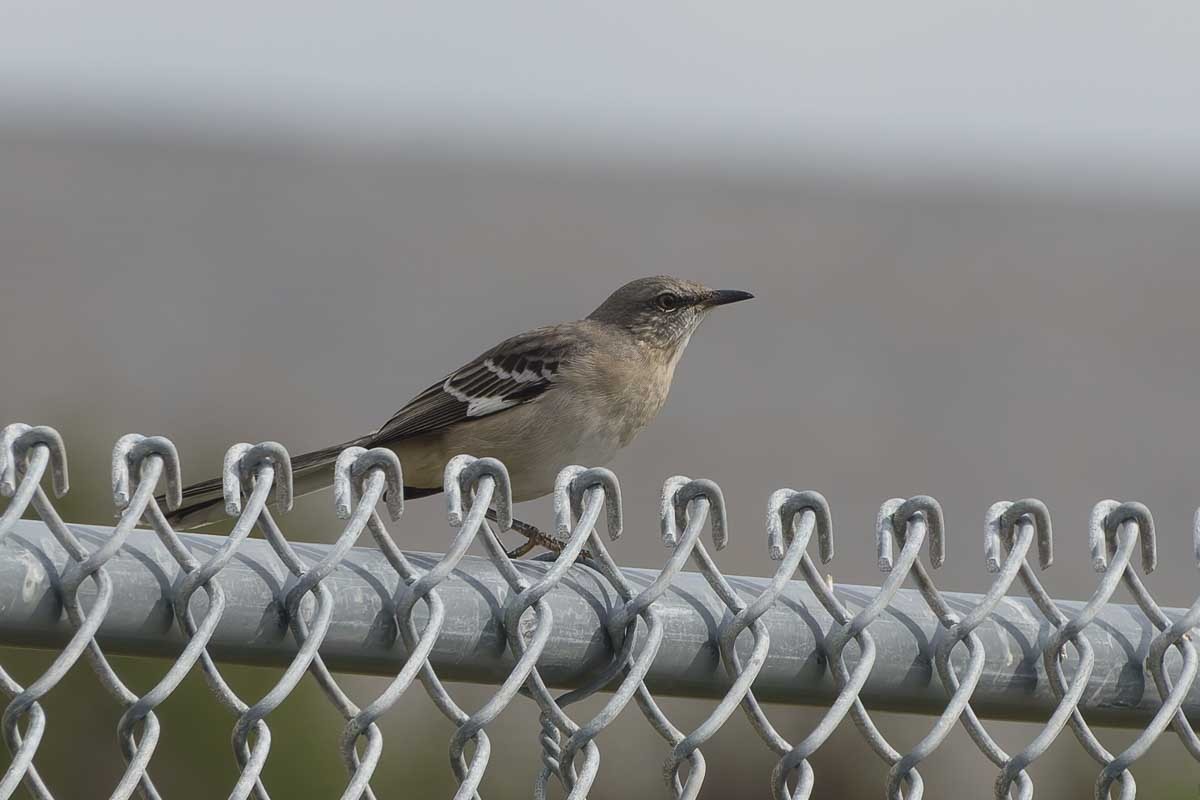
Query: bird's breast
x=585 y=419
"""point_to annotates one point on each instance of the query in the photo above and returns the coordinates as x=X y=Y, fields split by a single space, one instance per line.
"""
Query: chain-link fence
x=578 y=623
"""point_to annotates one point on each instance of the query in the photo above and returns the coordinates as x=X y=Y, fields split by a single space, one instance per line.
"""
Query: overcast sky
x=1093 y=86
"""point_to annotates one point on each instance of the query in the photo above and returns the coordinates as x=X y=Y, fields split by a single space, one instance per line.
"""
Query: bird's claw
x=534 y=537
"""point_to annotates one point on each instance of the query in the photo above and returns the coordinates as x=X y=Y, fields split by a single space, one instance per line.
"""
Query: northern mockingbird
x=572 y=393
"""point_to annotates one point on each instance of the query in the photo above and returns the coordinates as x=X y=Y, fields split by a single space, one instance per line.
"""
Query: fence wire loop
x=578 y=497
x=570 y=488
x=351 y=470
x=681 y=497
x=785 y=510
x=1107 y=518
x=1002 y=519
x=1011 y=528
x=464 y=472
x=792 y=517
x=245 y=464
x=16 y=443
x=128 y=459
x=893 y=523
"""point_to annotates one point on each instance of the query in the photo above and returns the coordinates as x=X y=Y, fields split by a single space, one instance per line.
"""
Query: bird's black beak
x=723 y=297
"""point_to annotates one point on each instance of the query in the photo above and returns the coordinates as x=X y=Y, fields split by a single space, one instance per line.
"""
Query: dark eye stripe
x=668 y=301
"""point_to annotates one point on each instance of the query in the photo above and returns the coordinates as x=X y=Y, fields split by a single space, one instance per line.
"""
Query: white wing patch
x=480 y=405
x=449 y=389
x=526 y=375
x=517 y=371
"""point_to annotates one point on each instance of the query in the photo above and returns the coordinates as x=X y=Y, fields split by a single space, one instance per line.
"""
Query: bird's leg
x=522 y=549
x=534 y=537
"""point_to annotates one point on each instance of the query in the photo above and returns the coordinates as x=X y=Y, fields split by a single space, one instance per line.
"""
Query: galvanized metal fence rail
x=578 y=623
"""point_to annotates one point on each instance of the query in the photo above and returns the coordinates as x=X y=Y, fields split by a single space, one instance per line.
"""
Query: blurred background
x=972 y=231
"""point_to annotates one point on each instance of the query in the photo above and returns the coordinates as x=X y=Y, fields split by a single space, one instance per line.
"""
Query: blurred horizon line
x=438 y=139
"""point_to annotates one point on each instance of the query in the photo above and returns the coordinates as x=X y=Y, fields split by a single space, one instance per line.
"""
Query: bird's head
x=663 y=311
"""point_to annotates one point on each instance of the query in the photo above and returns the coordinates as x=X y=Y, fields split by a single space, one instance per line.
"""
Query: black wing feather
x=513 y=372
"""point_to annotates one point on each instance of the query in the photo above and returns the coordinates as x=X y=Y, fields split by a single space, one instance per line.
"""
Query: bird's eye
x=667 y=301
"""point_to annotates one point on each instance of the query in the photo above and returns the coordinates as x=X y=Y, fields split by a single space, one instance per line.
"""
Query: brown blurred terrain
x=976 y=341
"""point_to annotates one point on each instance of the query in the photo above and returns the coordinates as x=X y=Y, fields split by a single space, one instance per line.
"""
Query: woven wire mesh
x=258 y=477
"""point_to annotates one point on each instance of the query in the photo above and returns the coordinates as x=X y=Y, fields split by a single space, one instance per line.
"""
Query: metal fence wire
x=578 y=622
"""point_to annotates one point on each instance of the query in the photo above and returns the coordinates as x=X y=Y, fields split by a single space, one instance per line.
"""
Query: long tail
x=311 y=472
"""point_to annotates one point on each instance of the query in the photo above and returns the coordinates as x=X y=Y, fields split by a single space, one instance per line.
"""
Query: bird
x=568 y=393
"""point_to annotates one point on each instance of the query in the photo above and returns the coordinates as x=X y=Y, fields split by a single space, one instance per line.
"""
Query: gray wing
x=513 y=372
